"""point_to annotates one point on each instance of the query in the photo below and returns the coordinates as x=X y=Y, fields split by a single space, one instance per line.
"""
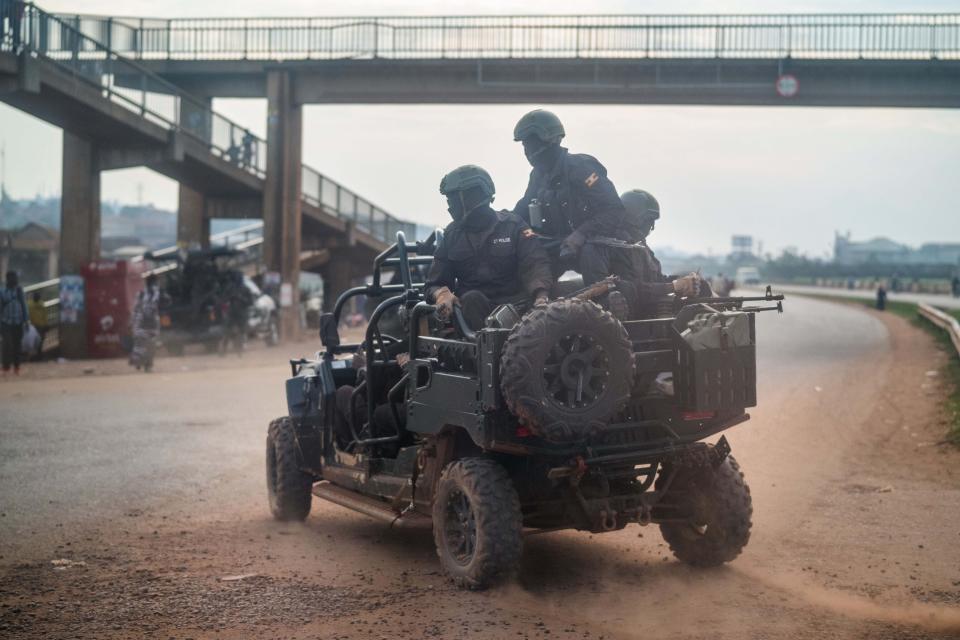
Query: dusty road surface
x=134 y=506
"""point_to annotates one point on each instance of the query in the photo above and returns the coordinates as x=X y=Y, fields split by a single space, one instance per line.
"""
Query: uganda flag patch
x=591 y=179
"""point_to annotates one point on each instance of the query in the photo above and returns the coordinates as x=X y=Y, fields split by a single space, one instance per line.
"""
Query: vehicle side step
x=370 y=507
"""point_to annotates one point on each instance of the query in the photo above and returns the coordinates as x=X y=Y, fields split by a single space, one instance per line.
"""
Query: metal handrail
x=29 y=29
x=61 y=40
x=943 y=320
x=825 y=36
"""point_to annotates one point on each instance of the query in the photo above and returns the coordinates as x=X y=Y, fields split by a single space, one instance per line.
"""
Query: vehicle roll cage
x=401 y=255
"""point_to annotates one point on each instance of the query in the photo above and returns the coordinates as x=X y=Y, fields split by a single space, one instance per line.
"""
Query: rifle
x=736 y=302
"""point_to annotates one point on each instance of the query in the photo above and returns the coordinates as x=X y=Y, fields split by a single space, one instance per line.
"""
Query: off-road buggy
x=200 y=287
x=564 y=418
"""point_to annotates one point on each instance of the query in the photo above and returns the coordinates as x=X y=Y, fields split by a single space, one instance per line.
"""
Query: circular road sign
x=787 y=85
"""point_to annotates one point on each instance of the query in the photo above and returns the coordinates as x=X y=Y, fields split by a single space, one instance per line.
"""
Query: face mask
x=462 y=204
x=538 y=152
x=455 y=206
x=646 y=226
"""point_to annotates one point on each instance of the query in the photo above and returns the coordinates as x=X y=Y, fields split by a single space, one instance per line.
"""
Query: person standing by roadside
x=38 y=318
x=145 y=325
x=13 y=322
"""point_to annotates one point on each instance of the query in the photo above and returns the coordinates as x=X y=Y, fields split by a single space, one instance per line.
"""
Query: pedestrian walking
x=247 y=144
x=13 y=322
x=881 y=298
x=11 y=12
x=146 y=325
x=38 y=318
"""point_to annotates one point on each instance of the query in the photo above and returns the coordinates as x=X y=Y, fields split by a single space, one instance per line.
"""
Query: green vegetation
x=951 y=372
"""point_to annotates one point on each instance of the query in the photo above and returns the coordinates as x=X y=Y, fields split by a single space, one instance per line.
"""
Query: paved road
x=157 y=481
x=942 y=301
x=88 y=448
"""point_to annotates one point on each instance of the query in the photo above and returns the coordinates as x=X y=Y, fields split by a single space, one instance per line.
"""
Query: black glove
x=572 y=244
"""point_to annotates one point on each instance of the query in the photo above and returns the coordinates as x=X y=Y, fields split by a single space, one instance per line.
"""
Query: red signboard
x=111 y=292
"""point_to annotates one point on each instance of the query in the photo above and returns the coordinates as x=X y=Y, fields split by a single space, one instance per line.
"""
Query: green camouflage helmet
x=466 y=177
x=541 y=123
x=640 y=204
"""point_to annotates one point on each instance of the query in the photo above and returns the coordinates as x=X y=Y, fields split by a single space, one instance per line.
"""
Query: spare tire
x=566 y=369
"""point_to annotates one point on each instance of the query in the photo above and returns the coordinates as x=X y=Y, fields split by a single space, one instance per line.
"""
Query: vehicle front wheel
x=477 y=523
x=273 y=332
x=288 y=487
x=719 y=509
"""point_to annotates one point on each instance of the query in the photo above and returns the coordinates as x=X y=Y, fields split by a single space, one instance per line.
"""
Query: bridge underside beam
x=706 y=81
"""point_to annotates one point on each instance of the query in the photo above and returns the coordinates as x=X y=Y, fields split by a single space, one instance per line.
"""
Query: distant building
x=938 y=253
x=31 y=250
x=741 y=247
x=885 y=251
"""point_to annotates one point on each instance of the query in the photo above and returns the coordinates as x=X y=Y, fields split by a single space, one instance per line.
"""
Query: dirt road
x=134 y=506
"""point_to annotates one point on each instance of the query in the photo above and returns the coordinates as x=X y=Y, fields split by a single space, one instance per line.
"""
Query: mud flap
x=720 y=452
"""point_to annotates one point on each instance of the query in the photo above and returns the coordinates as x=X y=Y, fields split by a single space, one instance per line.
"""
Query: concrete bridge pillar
x=193 y=225
x=79 y=226
x=281 y=195
x=337 y=277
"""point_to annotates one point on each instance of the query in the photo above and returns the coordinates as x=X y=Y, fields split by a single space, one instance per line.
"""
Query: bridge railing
x=826 y=36
x=76 y=44
x=334 y=198
x=28 y=28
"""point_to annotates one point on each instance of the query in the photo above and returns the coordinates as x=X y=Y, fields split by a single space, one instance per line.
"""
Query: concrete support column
x=79 y=225
x=51 y=265
x=281 y=194
x=337 y=278
x=193 y=225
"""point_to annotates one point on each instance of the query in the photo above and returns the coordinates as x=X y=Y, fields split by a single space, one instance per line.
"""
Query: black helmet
x=640 y=204
x=466 y=177
x=540 y=123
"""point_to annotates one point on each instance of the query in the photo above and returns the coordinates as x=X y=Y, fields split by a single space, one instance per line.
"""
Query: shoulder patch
x=528 y=233
x=591 y=179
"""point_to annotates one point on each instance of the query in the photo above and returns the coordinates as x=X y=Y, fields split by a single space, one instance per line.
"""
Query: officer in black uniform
x=642 y=213
x=487 y=257
x=570 y=198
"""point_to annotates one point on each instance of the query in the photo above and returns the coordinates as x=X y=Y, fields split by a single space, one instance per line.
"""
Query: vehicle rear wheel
x=567 y=368
x=477 y=523
x=288 y=487
x=719 y=506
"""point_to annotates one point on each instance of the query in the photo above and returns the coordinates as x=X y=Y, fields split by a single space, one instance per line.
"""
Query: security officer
x=642 y=213
x=570 y=198
x=487 y=257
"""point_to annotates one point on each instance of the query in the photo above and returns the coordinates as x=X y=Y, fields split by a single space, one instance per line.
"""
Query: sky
x=789 y=176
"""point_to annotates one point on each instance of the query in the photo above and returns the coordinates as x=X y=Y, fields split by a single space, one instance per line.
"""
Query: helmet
x=543 y=124
x=640 y=204
x=466 y=177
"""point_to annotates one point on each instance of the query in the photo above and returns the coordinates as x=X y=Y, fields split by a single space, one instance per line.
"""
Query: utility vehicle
x=564 y=418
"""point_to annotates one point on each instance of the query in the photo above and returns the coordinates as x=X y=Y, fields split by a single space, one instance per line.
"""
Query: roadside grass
x=951 y=372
